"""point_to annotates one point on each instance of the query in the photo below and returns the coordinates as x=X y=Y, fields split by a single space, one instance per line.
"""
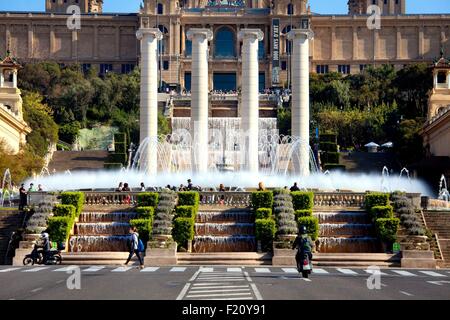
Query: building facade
x=342 y=43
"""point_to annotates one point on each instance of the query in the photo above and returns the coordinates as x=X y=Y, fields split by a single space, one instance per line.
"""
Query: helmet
x=302 y=230
x=44 y=235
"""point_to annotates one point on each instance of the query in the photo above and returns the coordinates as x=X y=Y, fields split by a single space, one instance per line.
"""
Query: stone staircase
x=225 y=258
x=78 y=160
x=439 y=223
x=10 y=221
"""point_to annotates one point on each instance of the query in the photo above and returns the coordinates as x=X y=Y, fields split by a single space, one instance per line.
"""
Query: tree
x=69 y=132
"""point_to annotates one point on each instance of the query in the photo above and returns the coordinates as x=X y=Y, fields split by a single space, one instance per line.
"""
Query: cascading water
x=385 y=185
x=345 y=231
x=224 y=231
x=443 y=190
x=101 y=231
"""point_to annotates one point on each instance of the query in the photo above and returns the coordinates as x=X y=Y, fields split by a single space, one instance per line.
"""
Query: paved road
x=219 y=282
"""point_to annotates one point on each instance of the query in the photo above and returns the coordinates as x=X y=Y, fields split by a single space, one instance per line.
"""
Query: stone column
x=250 y=96
x=300 y=94
x=149 y=96
x=199 y=97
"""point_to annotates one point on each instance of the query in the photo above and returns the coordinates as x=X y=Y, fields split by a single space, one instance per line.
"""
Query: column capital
x=192 y=32
x=297 y=33
x=257 y=33
x=155 y=32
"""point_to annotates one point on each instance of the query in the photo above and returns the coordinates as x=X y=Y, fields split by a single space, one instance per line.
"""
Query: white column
x=250 y=96
x=300 y=93
x=149 y=96
x=199 y=97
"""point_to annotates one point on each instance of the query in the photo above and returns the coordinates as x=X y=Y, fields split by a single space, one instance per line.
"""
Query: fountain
x=385 y=186
x=6 y=190
x=443 y=190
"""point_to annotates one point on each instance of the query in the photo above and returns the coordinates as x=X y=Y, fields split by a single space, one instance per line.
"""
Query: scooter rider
x=45 y=244
x=303 y=243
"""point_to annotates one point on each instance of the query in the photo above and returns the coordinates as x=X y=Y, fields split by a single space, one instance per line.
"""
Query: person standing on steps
x=23 y=197
x=134 y=247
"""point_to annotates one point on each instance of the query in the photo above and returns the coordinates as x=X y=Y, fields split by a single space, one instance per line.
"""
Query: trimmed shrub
x=302 y=200
x=64 y=210
x=59 y=228
x=162 y=223
x=117 y=158
x=113 y=166
x=183 y=230
x=328 y=137
x=284 y=213
x=328 y=146
x=120 y=148
x=189 y=198
x=262 y=199
x=373 y=199
x=303 y=213
x=312 y=226
x=185 y=212
x=263 y=213
x=265 y=232
x=120 y=137
x=145 y=212
x=147 y=199
x=334 y=167
x=74 y=198
x=382 y=212
x=387 y=229
x=330 y=157
x=144 y=228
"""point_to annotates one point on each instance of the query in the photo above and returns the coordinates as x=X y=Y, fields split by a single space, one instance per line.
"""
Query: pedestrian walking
x=134 y=247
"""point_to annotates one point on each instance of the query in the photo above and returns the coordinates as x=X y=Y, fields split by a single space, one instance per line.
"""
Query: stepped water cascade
x=345 y=231
x=224 y=231
x=101 y=231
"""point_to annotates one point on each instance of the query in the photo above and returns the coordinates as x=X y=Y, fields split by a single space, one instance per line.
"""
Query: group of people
x=294 y=187
x=23 y=194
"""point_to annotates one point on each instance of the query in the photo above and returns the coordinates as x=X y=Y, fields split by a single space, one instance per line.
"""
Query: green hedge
x=328 y=146
x=64 y=210
x=185 y=212
x=74 y=198
x=120 y=137
x=382 y=212
x=262 y=199
x=334 y=166
x=330 y=157
x=328 y=137
x=188 y=198
x=373 y=199
x=59 y=228
x=387 y=229
x=302 y=200
x=117 y=158
x=263 y=213
x=303 y=213
x=113 y=166
x=265 y=232
x=120 y=148
x=145 y=212
x=183 y=230
x=312 y=226
x=144 y=228
x=147 y=199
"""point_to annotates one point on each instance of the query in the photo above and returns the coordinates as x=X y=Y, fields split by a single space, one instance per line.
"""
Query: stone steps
x=224 y=258
x=94 y=258
x=77 y=160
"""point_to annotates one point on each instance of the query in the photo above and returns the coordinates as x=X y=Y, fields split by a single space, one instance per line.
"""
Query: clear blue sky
x=319 y=6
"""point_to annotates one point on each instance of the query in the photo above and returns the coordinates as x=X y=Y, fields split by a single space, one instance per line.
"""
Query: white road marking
x=262 y=270
x=36 y=269
x=289 y=270
x=197 y=286
x=439 y=283
x=121 y=269
x=183 y=292
x=406 y=293
x=36 y=290
x=234 y=269
x=219 y=278
x=320 y=271
x=248 y=277
x=224 y=280
x=371 y=271
x=346 y=271
x=94 y=269
x=65 y=269
x=178 y=269
x=59 y=281
x=149 y=269
x=404 y=273
x=433 y=274
x=218 y=295
x=256 y=291
x=9 y=269
x=203 y=269
x=238 y=298
x=195 y=290
x=307 y=280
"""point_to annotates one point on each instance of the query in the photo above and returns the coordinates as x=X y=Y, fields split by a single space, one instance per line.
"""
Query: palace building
x=342 y=43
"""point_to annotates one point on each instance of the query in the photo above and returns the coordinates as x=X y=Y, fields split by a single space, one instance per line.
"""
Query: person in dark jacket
x=134 y=247
x=303 y=243
x=23 y=197
x=46 y=246
x=295 y=187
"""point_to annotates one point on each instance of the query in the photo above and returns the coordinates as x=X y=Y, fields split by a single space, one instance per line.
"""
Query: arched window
x=290 y=9
x=160 y=9
x=288 y=44
x=162 y=43
x=224 y=43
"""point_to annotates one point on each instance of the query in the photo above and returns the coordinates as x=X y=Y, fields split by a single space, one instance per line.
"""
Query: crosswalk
x=231 y=272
